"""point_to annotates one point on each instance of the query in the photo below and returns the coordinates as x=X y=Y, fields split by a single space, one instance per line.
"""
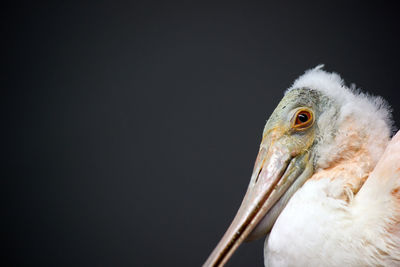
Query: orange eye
x=303 y=119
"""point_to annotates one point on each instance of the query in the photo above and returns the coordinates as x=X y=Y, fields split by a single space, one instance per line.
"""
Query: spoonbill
x=325 y=187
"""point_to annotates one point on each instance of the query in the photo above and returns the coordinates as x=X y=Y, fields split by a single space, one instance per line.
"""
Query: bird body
x=326 y=224
x=325 y=188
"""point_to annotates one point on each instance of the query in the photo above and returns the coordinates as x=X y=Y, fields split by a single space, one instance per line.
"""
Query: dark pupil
x=303 y=117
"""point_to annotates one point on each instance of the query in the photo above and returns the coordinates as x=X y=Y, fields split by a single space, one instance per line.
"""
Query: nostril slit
x=258 y=175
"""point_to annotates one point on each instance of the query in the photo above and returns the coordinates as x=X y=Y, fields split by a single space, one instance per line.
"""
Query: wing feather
x=376 y=207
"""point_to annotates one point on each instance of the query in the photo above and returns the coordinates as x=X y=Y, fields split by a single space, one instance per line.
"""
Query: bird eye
x=303 y=119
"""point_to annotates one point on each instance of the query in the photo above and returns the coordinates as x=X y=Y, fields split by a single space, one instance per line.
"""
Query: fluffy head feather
x=365 y=118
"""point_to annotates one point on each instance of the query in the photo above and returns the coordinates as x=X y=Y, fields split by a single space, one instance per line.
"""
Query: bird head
x=318 y=123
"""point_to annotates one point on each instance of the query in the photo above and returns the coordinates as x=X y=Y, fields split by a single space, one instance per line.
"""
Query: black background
x=130 y=129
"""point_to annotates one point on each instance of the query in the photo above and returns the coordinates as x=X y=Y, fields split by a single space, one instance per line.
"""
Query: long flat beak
x=274 y=171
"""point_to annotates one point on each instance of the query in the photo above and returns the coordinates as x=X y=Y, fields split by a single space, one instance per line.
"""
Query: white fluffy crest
x=366 y=115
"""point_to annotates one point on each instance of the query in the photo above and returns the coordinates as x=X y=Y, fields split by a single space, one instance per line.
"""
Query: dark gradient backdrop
x=130 y=129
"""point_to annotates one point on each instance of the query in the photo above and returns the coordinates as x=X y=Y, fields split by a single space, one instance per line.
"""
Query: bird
x=325 y=188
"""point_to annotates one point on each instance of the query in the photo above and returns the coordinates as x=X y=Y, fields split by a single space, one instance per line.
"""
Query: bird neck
x=355 y=153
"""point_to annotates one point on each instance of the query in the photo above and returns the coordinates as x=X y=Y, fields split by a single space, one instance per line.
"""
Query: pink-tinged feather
x=378 y=202
x=386 y=174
